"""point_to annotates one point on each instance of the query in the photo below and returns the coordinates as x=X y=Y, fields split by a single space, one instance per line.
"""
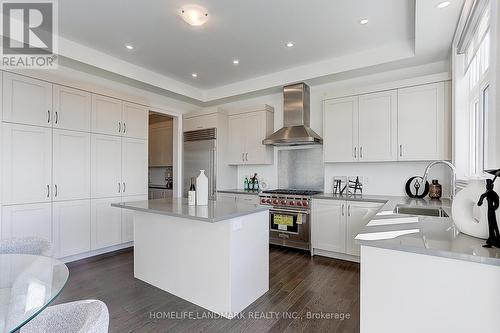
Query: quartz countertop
x=239 y=191
x=215 y=211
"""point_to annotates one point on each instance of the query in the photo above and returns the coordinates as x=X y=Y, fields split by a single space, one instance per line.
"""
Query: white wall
x=494 y=128
x=378 y=174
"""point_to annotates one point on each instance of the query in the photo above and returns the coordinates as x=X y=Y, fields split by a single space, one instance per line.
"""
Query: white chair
x=87 y=316
x=26 y=245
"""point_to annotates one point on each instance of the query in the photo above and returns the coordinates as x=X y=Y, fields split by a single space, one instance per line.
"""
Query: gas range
x=287 y=198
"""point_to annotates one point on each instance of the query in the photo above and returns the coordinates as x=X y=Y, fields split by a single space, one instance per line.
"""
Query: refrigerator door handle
x=211 y=174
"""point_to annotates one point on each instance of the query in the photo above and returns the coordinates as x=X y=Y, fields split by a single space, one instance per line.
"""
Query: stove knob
x=283 y=202
x=263 y=201
x=305 y=203
x=268 y=201
x=291 y=203
x=299 y=203
x=275 y=202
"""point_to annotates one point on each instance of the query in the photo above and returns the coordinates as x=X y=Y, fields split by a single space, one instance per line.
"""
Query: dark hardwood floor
x=301 y=286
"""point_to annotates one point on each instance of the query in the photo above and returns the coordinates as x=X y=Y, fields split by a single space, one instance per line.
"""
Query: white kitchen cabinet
x=71 y=224
x=247 y=199
x=72 y=109
x=423 y=122
x=377 y=127
x=106 y=223
x=106 y=166
x=128 y=219
x=134 y=166
x=71 y=165
x=32 y=220
x=26 y=100
x=27 y=164
x=106 y=115
x=340 y=130
x=160 y=144
x=246 y=132
x=135 y=121
x=329 y=225
x=358 y=216
x=197 y=122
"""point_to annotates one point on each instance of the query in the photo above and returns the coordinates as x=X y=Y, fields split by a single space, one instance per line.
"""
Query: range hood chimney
x=296 y=119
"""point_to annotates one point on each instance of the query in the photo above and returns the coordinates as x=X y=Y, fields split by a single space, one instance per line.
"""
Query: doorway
x=161 y=180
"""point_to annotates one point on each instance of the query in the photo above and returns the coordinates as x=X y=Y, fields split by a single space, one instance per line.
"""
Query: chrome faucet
x=453 y=175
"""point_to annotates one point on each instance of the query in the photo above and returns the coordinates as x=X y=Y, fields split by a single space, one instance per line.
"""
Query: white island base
x=221 y=266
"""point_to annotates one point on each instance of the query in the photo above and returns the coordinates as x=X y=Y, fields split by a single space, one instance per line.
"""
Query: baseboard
x=336 y=255
x=96 y=252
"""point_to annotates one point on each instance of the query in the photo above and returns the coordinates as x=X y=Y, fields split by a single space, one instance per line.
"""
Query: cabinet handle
x=55 y=192
x=119 y=187
x=48 y=191
x=355 y=152
x=57 y=117
x=246 y=157
x=342 y=209
x=124 y=128
x=48 y=116
x=243 y=157
x=119 y=127
x=348 y=210
x=123 y=187
x=360 y=152
x=400 y=150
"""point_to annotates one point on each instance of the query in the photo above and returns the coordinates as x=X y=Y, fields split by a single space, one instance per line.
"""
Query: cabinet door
x=33 y=220
x=199 y=122
x=378 y=126
x=106 y=223
x=72 y=109
x=421 y=122
x=226 y=196
x=135 y=121
x=71 y=165
x=27 y=100
x=340 y=130
x=106 y=166
x=328 y=225
x=128 y=219
x=27 y=164
x=160 y=146
x=247 y=199
x=134 y=167
x=255 y=151
x=106 y=115
x=237 y=139
x=358 y=216
x=71 y=223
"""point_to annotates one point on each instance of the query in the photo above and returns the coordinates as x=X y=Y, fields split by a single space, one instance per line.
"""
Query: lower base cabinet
x=33 y=220
x=106 y=223
x=71 y=223
x=335 y=224
x=128 y=218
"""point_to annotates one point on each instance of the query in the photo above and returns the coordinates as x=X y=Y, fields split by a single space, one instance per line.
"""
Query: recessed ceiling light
x=194 y=75
x=129 y=46
x=236 y=62
x=194 y=15
x=363 y=21
x=443 y=4
x=289 y=44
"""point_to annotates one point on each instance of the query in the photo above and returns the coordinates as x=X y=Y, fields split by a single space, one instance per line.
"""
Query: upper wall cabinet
x=404 y=124
x=160 y=144
x=246 y=132
x=135 y=121
x=27 y=100
x=424 y=122
x=199 y=122
x=106 y=115
x=72 y=109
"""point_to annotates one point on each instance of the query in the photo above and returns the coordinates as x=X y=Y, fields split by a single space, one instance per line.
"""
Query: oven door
x=287 y=221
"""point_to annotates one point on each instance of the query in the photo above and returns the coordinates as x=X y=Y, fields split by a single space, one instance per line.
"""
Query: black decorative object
x=493 y=201
x=413 y=186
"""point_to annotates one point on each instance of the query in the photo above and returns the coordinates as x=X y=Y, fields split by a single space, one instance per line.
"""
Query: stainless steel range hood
x=296 y=121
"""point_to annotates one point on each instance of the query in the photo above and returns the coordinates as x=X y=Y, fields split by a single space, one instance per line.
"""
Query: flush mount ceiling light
x=129 y=46
x=194 y=15
x=290 y=44
x=363 y=21
x=195 y=75
x=443 y=4
x=236 y=62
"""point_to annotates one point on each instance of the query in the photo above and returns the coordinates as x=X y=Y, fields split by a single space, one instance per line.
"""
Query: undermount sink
x=423 y=211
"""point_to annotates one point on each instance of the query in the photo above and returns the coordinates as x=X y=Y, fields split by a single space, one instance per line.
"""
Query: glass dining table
x=28 y=284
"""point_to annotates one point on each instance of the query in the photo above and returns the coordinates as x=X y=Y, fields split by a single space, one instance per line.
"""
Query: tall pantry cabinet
x=67 y=154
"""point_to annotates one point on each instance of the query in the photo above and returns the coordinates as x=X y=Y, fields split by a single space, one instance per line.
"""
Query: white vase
x=469 y=218
x=202 y=189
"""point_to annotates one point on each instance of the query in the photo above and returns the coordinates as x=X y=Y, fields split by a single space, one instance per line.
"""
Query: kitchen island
x=215 y=256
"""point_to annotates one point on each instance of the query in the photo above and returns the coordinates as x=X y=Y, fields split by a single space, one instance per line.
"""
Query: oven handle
x=289 y=211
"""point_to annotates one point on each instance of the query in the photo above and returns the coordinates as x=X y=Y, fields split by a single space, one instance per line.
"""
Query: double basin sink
x=422 y=211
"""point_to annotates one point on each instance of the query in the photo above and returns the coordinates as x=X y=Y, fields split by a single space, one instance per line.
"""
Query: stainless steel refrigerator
x=200 y=153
